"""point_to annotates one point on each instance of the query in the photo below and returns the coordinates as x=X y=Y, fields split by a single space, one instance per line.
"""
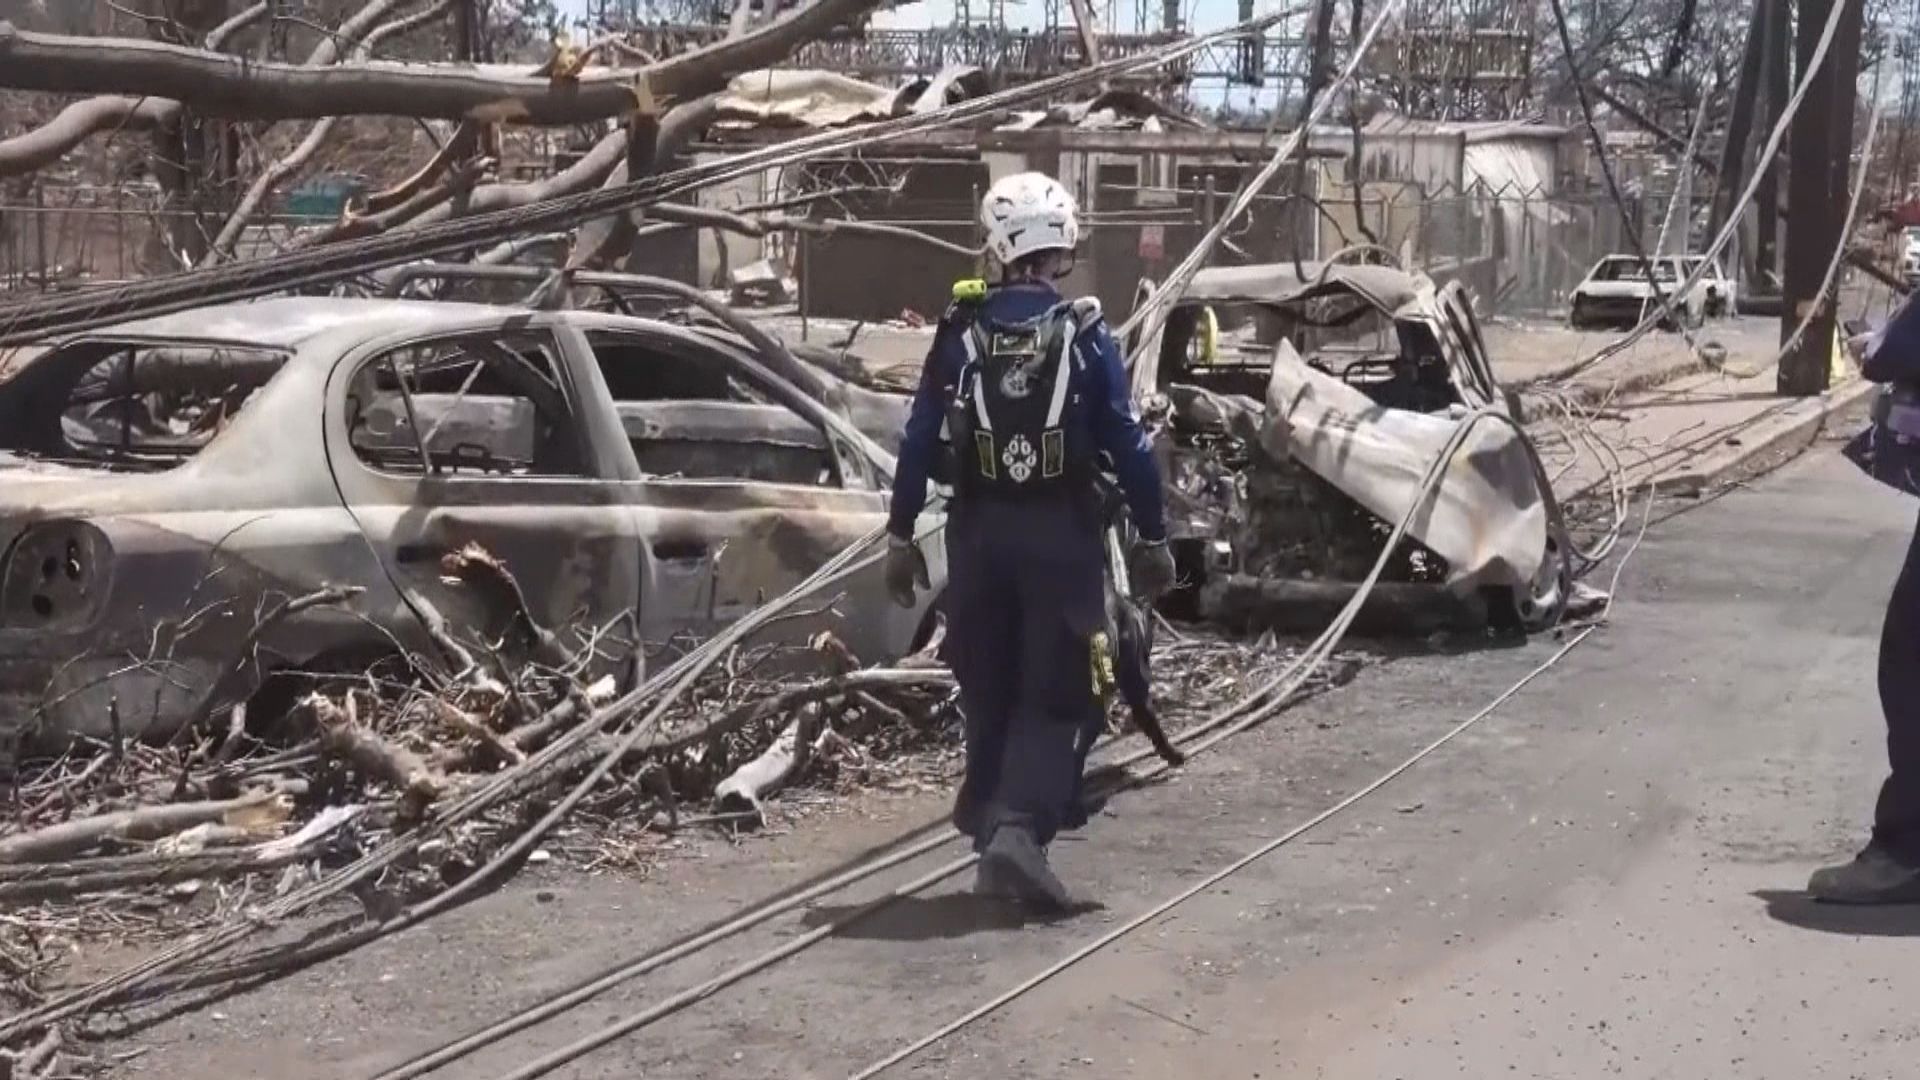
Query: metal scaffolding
x=1448 y=59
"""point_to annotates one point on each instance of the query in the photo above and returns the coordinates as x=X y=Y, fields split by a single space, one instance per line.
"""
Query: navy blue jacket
x=1097 y=396
x=1893 y=355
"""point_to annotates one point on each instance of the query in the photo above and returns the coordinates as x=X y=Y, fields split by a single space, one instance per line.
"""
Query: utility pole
x=1822 y=143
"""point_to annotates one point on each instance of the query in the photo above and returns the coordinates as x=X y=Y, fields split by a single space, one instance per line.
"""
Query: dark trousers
x=1896 y=818
x=1024 y=597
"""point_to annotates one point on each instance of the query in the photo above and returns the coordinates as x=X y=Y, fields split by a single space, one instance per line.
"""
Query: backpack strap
x=974 y=340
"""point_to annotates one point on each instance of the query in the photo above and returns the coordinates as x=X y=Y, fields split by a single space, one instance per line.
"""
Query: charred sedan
x=1289 y=454
x=170 y=483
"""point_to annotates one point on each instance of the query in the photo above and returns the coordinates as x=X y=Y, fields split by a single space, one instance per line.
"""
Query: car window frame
x=856 y=468
x=356 y=360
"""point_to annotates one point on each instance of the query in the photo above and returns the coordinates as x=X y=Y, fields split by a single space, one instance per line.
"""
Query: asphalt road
x=1600 y=880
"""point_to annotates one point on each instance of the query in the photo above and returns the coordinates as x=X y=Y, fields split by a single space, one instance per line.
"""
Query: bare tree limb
x=217 y=37
x=461 y=178
x=216 y=84
x=466 y=139
x=76 y=124
x=606 y=162
x=82 y=120
x=296 y=160
x=145 y=823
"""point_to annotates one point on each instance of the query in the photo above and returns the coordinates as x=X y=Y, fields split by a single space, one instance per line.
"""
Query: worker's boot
x=990 y=879
x=1874 y=876
x=1015 y=863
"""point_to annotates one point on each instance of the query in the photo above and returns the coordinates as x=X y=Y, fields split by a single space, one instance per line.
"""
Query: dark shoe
x=1014 y=858
x=990 y=879
x=1873 y=877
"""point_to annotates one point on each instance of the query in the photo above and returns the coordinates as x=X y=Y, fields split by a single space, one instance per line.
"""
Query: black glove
x=905 y=568
x=1152 y=572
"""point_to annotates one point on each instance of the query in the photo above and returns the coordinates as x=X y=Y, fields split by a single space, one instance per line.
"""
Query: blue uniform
x=1894 y=357
x=1026 y=576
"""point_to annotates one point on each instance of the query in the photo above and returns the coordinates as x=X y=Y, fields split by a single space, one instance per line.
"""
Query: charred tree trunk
x=184 y=165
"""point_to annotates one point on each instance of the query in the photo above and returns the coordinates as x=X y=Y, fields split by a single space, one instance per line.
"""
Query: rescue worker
x=1887 y=871
x=1029 y=392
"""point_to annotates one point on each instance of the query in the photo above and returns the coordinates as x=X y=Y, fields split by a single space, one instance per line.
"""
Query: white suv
x=1616 y=292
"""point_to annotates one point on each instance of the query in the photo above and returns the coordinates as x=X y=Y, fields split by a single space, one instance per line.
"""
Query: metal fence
x=1522 y=252
x=1527 y=250
x=63 y=238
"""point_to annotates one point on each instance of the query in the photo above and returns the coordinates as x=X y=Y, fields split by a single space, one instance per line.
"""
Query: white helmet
x=1026 y=213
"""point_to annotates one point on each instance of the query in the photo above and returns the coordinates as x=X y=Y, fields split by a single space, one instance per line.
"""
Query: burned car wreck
x=1293 y=442
x=171 y=484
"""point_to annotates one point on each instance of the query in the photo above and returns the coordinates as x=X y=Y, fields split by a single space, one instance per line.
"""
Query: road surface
x=1600 y=880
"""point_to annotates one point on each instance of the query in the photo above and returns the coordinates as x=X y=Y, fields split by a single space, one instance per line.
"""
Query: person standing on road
x=1887 y=871
x=1029 y=391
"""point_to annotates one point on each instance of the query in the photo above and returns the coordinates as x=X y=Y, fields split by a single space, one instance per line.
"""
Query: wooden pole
x=1822 y=143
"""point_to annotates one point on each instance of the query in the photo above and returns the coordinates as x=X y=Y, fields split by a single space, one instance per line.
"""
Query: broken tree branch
x=342 y=737
x=22 y=884
x=297 y=159
x=82 y=120
x=605 y=163
x=76 y=124
x=750 y=784
x=460 y=181
x=466 y=139
x=500 y=591
x=216 y=84
x=465 y=723
x=146 y=823
x=245 y=17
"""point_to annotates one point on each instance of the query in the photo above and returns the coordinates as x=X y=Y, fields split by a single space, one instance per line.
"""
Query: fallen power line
x=1250 y=710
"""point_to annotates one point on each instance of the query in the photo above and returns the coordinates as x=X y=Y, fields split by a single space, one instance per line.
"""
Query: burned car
x=835 y=377
x=170 y=483
x=1291 y=449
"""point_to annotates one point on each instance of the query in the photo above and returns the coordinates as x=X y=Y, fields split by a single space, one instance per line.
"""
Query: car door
x=748 y=487
x=1465 y=347
x=463 y=458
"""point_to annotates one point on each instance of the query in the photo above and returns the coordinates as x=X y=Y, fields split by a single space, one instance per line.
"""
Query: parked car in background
x=1910 y=255
x=1616 y=292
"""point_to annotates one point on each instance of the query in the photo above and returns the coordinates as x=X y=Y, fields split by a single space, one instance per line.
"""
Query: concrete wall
x=717 y=254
